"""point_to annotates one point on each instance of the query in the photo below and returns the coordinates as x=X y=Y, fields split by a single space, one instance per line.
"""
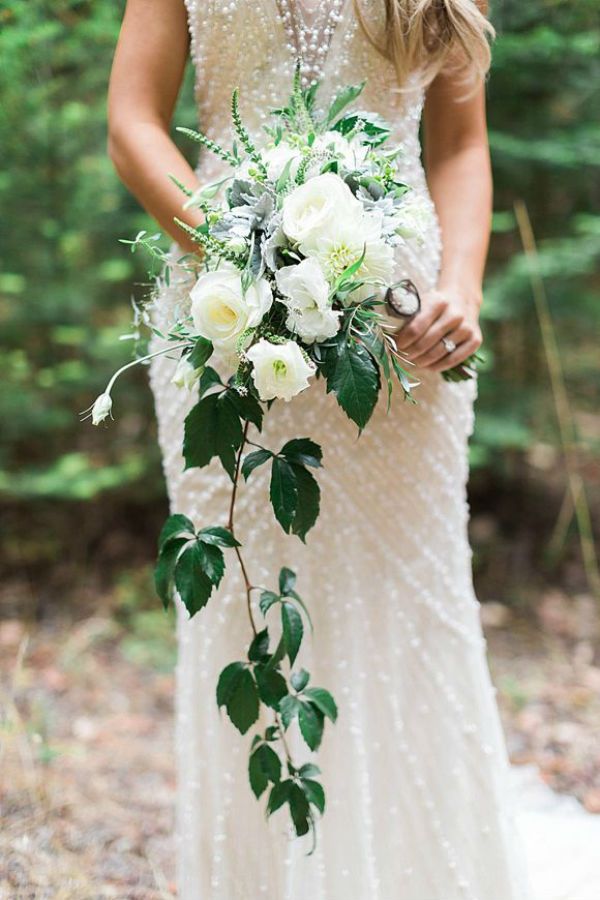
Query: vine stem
x=230 y=525
x=248 y=584
x=283 y=739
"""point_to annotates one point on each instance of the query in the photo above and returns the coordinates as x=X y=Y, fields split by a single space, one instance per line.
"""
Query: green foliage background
x=65 y=281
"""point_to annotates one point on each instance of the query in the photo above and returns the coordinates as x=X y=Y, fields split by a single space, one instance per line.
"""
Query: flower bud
x=185 y=374
x=101 y=408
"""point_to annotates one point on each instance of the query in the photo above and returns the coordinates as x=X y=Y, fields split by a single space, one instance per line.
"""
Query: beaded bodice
x=254 y=45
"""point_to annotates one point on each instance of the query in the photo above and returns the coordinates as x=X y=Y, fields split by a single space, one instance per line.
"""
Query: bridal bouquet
x=296 y=284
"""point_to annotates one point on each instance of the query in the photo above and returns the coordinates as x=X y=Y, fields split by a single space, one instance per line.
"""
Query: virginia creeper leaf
x=293 y=629
x=323 y=700
x=283 y=492
x=173 y=527
x=191 y=580
x=237 y=692
x=165 y=568
x=253 y=460
x=311 y=721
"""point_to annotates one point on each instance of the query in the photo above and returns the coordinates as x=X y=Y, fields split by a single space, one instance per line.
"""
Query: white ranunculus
x=279 y=370
x=414 y=219
x=306 y=295
x=220 y=309
x=185 y=375
x=352 y=153
x=304 y=285
x=320 y=209
x=276 y=158
x=313 y=324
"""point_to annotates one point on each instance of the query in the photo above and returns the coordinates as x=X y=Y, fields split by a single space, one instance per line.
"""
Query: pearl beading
x=309 y=35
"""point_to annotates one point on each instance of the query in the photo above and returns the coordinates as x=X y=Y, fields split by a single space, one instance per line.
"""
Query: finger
x=439 y=350
x=419 y=324
x=457 y=356
x=444 y=326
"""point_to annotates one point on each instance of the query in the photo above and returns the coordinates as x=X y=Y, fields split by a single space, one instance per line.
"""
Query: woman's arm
x=459 y=177
x=146 y=76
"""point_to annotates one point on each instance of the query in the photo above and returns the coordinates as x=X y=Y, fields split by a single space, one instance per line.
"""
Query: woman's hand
x=447 y=317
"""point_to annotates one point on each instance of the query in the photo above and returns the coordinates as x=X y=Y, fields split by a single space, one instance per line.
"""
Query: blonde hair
x=427 y=37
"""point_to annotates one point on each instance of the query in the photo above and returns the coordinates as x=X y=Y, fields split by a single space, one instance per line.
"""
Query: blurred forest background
x=81 y=507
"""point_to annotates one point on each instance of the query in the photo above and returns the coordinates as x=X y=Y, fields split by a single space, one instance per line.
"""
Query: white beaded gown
x=415 y=769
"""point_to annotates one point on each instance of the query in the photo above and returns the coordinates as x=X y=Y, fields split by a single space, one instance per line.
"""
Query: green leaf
x=237 y=692
x=258 y=777
x=212 y=428
x=175 y=526
x=259 y=648
x=285 y=176
x=308 y=502
x=165 y=567
x=215 y=534
x=375 y=132
x=279 y=795
x=228 y=461
x=213 y=561
x=309 y=770
x=208 y=379
x=314 y=793
x=346 y=95
x=293 y=629
x=299 y=679
x=283 y=492
x=272 y=686
x=349 y=271
x=353 y=376
x=302 y=451
x=311 y=721
x=267 y=599
x=277 y=656
x=253 y=460
x=287 y=581
x=248 y=407
x=201 y=352
x=289 y=708
x=264 y=767
x=323 y=700
x=299 y=810
x=271 y=763
x=191 y=580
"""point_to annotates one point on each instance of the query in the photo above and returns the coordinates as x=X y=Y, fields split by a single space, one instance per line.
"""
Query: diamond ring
x=449 y=344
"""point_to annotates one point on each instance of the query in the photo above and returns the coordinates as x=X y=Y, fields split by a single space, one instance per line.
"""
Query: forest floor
x=87 y=782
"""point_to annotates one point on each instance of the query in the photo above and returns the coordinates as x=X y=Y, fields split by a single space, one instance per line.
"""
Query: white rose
x=279 y=370
x=220 y=309
x=185 y=375
x=414 y=219
x=318 y=209
x=306 y=294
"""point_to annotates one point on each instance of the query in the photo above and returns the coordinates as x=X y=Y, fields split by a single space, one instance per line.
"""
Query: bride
x=416 y=768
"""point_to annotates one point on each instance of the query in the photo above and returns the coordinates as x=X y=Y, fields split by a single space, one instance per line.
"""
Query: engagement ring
x=449 y=344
